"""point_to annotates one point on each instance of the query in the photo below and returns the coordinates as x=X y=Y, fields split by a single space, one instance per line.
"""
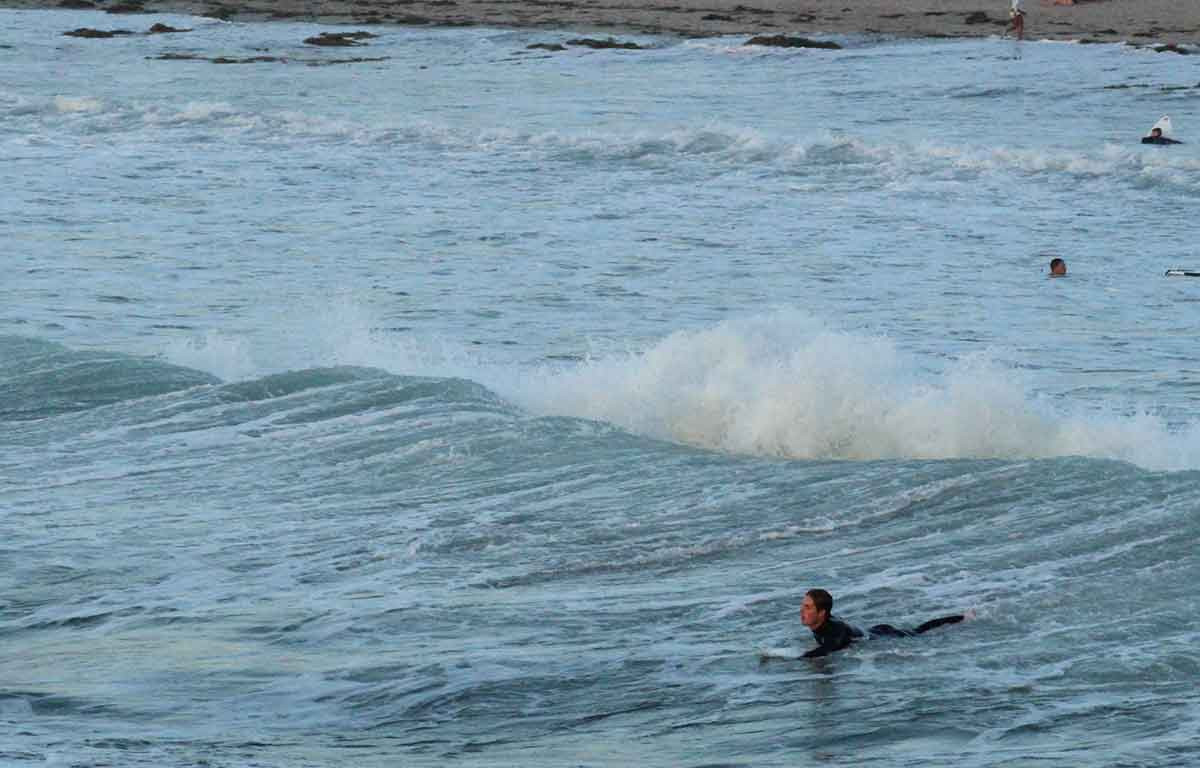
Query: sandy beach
x=1161 y=22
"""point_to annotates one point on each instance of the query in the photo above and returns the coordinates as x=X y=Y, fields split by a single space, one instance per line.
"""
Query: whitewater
x=473 y=404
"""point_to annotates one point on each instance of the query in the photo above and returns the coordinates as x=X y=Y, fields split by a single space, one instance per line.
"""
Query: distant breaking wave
x=781 y=385
x=785 y=385
x=721 y=145
x=774 y=387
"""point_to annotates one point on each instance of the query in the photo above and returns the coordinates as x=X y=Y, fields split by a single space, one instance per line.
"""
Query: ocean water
x=481 y=406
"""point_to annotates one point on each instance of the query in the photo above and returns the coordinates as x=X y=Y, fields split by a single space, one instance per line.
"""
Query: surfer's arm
x=938 y=622
x=820 y=650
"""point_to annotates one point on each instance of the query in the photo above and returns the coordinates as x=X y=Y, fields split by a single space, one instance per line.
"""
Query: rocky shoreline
x=1169 y=24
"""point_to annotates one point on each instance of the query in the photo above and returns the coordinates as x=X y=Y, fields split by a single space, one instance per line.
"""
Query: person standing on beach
x=1017 y=19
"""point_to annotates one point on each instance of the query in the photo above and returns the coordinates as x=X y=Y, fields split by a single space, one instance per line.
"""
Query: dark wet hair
x=822 y=600
x=1055 y=262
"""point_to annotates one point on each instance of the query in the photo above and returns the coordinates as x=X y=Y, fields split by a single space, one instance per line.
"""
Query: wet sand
x=1135 y=21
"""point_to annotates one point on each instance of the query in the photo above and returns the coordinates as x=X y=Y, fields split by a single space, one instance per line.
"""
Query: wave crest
x=784 y=385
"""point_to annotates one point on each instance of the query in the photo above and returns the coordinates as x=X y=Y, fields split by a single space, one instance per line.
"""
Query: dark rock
x=216 y=60
x=783 y=41
x=978 y=17
x=546 y=47
x=759 y=11
x=262 y=59
x=97 y=33
x=1171 y=48
x=78 y=5
x=339 y=39
x=126 y=8
x=331 y=40
x=163 y=29
x=716 y=17
x=250 y=60
x=330 y=62
x=222 y=12
x=588 y=42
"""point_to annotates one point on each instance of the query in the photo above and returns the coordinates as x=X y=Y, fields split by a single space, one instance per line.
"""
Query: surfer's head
x=1058 y=267
x=1156 y=133
x=816 y=607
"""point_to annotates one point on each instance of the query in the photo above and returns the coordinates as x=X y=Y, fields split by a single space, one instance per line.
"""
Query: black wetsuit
x=835 y=634
x=1159 y=140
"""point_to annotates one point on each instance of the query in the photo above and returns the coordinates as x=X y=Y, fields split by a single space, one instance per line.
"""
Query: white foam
x=784 y=385
x=225 y=356
x=67 y=104
x=781 y=384
x=199 y=111
x=341 y=332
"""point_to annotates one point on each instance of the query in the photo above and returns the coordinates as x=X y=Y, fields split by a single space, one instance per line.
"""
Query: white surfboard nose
x=1164 y=123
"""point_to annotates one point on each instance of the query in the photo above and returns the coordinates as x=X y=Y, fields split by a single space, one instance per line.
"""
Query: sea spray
x=785 y=385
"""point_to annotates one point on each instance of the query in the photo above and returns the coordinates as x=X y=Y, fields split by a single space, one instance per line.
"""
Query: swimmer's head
x=815 y=608
x=1058 y=267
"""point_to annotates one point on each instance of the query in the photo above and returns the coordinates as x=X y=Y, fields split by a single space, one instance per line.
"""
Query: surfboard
x=1164 y=123
x=1182 y=273
x=776 y=654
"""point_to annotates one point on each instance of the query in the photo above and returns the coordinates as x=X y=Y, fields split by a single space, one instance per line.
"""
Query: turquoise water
x=486 y=406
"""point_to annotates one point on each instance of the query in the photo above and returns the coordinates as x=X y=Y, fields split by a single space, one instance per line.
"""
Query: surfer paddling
x=1156 y=137
x=1158 y=134
x=833 y=634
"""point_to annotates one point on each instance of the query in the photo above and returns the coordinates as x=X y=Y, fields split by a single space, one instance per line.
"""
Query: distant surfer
x=1058 y=267
x=833 y=634
x=1156 y=137
x=1016 y=19
x=1161 y=132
